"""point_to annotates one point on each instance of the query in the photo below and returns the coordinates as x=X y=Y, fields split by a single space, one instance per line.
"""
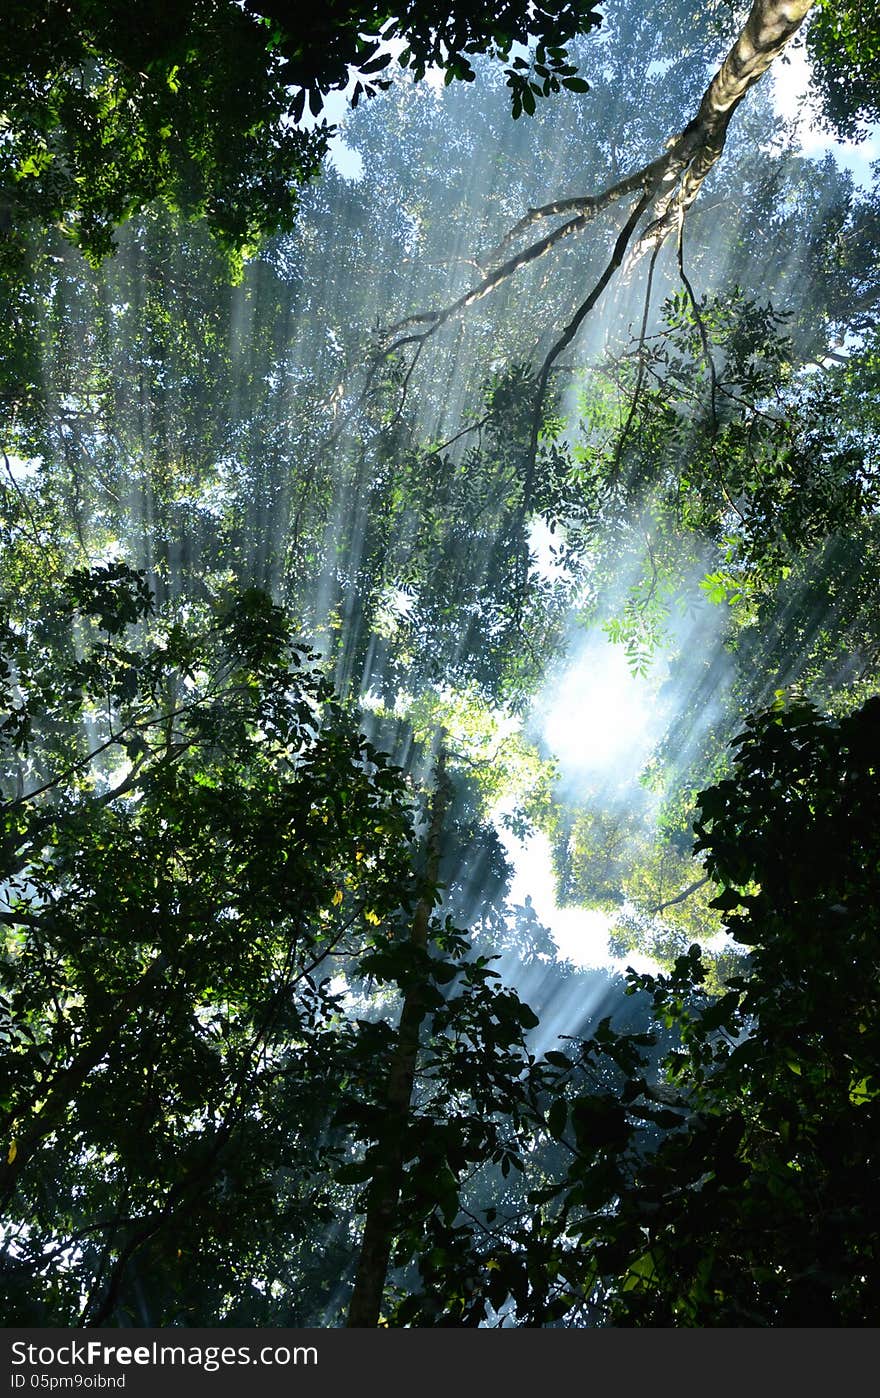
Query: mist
x=547 y=574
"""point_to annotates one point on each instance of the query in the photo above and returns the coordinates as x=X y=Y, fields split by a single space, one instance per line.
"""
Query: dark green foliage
x=172 y=907
x=204 y=844
x=710 y=1162
x=319 y=47
x=757 y=1208
x=210 y=872
x=844 y=47
x=112 y=105
x=108 y=106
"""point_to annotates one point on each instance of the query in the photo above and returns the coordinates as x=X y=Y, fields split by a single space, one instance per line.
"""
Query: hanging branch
x=580 y=315
x=713 y=376
x=640 y=375
x=701 y=330
x=558 y=348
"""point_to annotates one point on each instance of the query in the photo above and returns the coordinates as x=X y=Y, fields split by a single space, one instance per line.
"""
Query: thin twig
x=701 y=328
x=713 y=377
x=561 y=344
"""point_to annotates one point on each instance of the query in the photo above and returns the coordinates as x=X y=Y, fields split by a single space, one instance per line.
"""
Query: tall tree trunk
x=384 y=1192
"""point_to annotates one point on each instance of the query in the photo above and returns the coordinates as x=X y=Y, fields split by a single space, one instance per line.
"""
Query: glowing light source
x=600 y=720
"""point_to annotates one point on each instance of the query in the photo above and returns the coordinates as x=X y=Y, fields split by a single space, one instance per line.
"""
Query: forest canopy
x=417 y=553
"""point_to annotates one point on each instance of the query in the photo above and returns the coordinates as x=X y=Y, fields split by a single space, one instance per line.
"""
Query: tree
x=756 y=498
x=176 y=888
x=664 y=189
x=657 y=198
x=111 y=106
x=231 y=456
x=712 y=1163
x=756 y=1206
x=721 y=442
x=384 y=1194
x=202 y=857
x=845 y=55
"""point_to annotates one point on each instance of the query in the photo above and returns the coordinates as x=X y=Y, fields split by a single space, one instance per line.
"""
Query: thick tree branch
x=586 y=206
x=769 y=27
x=675 y=177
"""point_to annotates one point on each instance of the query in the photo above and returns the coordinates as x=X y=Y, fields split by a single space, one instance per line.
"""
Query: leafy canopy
x=109 y=106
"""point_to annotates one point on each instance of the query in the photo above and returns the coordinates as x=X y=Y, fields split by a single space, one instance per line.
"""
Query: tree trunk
x=384 y=1191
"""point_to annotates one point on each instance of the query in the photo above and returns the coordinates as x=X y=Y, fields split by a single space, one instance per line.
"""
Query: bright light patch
x=346 y=159
x=600 y=721
x=791 y=86
x=20 y=468
x=580 y=934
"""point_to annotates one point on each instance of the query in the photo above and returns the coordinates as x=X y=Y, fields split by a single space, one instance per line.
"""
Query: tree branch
x=767 y=30
x=675 y=177
x=692 y=888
